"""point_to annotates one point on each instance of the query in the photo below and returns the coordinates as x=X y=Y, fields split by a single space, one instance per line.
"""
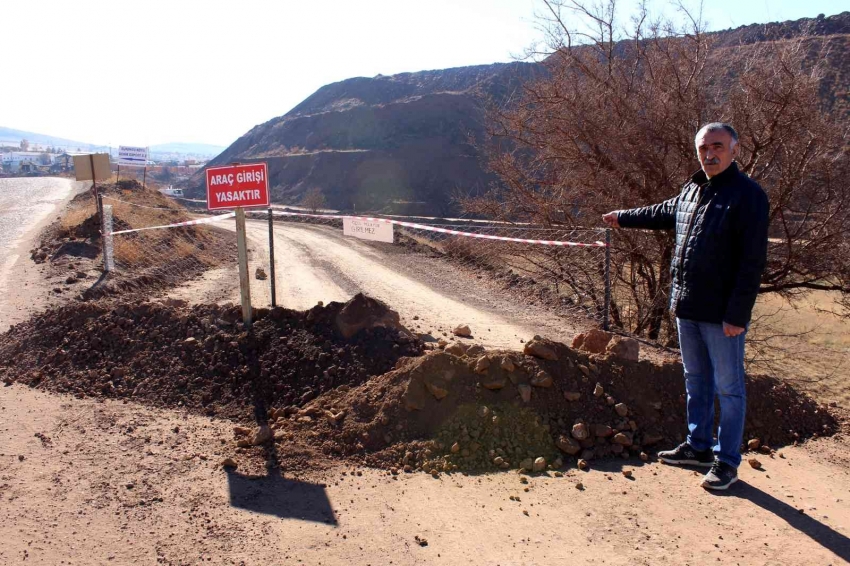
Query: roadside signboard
x=83 y=167
x=368 y=229
x=132 y=156
x=233 y=186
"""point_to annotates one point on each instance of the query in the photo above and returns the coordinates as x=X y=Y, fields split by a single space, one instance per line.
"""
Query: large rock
x=463 y=331
x=365 y=312
x=541 y=348
x=595 y=341
x=432 y=378
x=624 y=348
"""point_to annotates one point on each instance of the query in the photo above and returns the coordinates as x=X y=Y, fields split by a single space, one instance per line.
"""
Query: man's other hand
x=611 y=219
x=731 y=330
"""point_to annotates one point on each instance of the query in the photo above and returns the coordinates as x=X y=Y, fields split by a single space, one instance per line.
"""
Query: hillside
x=401 y=143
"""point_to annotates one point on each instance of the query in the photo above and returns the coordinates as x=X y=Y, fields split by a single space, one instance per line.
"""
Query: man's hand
x=611 y=219
x=731 y=331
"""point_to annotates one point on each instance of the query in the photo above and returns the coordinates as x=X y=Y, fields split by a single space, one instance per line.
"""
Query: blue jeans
x=714 y=365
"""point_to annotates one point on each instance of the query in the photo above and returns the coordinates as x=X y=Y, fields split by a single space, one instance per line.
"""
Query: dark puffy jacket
x=721 y=245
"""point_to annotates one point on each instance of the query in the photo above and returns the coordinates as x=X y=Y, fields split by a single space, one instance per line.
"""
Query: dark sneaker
x=685 y=455
x=720 y=477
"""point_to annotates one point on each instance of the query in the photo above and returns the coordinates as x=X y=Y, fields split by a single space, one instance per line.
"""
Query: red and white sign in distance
x=237 y=185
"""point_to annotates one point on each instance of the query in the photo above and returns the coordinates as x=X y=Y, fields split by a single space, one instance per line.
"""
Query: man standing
x=720 y=219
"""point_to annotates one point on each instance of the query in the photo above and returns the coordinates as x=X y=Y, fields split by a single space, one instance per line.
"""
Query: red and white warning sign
x=237 y=185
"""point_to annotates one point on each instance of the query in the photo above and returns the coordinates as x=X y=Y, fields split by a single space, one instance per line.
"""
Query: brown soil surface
x=103 y=481
x=324 y=392
x=200 y=358
x=147 y=263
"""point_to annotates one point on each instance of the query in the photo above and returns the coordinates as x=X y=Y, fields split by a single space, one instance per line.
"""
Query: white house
x=13 y=160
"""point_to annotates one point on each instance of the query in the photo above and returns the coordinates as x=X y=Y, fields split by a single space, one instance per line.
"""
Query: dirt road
x=88 y=482
x=317 y=263
x=27 y=205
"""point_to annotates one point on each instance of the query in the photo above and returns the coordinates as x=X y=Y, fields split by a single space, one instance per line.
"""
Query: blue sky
x=207 y=71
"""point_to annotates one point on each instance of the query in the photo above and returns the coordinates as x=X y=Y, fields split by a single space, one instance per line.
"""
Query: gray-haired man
x=720 y=219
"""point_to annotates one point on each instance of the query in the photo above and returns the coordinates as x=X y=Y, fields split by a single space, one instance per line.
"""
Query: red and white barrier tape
x=216 y=218
x=597 y=244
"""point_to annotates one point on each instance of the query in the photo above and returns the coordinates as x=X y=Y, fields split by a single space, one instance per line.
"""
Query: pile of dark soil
x=479 y=410
x=347 y=381
x=202 y=358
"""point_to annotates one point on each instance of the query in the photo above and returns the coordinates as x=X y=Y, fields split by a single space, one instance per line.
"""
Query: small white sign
x=132 y=156
x=368 y=229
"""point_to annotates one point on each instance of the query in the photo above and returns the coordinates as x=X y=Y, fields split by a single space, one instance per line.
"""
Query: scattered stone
x=463 y=331
x=568 y=445
x=582 y=464
x=241 y=431
x=437 y=391
x=622 y=409
x=539 y=464
x=598 y=391
x=455 y=448
x=524 y=392
x=262 y=435
x=753 y=444
x=540 y=348
x=595 y=341
x=482 y=364
x=229 y=463
x=644 y=456
x=622 y=438
x=755 y=464
x=580 y=486
x=420 y=541
x=527 y=464
x=578 y=340
x=543 y=380
x=572 y=395
x=456 y=349
x=627 y=474
x=261 y=274
x=579 y=431
x=624 y=348
x=508 y=365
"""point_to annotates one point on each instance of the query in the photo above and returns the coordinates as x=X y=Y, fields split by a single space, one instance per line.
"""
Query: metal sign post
x=271 y=257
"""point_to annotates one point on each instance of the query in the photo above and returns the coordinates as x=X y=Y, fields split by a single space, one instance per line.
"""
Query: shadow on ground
x=274 y=494
x=822 y=534
x=281 y=497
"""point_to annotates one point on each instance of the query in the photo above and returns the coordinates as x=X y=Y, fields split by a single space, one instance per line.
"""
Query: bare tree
x=611 y=125
x=313 y=200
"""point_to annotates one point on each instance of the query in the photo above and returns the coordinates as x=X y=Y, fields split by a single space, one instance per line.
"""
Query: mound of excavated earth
x=470 y=409
x=202 y=358
x=348 y=381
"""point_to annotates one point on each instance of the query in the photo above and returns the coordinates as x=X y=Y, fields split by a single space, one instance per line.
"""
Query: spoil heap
x=466 y=408
x=202 y=358
x=348 y=381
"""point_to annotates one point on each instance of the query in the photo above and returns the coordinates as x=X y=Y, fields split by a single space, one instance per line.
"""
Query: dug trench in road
x=317 y=263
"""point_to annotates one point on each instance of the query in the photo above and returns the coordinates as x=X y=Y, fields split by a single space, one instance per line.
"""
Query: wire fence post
x=606 y=308
x=108 y=261
x=271 y=257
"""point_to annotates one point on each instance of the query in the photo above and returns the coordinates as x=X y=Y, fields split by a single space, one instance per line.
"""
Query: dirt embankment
x=146 y=262
x=347 y=381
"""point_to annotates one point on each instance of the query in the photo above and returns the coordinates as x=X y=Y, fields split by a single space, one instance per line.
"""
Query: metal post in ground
x=244 y=279
x=108 y=262
x=271 y=257
x=607 y=307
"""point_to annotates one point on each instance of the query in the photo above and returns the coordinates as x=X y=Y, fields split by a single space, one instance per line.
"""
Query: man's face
x=716 y=151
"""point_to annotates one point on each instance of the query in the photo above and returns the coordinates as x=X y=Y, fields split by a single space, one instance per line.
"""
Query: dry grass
x=810 y=344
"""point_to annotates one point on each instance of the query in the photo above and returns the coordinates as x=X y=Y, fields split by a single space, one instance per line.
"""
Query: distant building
x=12 y=161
